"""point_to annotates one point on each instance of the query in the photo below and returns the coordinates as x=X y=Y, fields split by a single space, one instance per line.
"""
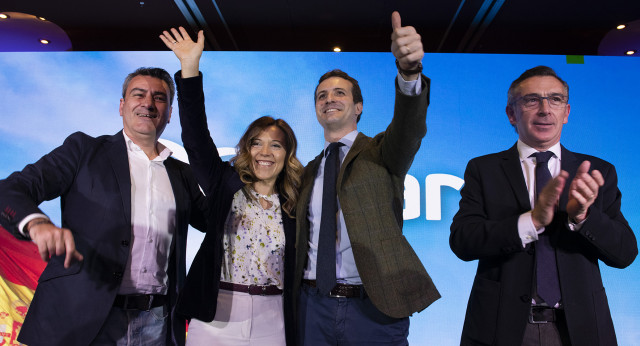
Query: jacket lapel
x=302 y=209
x=358 y=145
x=179 y=194
x=176 y=184
x=117 y=153
x=513 y=171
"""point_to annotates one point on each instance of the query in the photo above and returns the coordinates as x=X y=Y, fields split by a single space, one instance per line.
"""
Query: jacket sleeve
x=199 y=209
x=481 y=229
x=208 y=168
x=403 y=136
x=606 y=228
x=50 y=177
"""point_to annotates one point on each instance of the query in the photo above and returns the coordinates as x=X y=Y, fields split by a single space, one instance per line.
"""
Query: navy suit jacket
x=485 y=229
x=219 y=181
x=91 y=175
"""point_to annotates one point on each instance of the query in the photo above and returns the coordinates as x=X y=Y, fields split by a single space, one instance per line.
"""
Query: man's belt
x=143 y=302
x=259 y=290
x=341 y=290
x=544 y=314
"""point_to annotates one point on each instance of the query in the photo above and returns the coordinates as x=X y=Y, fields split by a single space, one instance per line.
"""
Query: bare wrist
x=35 y=222
x=190 y=69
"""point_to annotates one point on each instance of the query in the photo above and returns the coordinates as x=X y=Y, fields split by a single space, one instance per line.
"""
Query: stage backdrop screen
x=44 y=97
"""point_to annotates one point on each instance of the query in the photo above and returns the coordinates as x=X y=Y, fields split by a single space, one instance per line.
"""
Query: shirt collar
x=347 y=140
x=525 y=150
x=132 y=148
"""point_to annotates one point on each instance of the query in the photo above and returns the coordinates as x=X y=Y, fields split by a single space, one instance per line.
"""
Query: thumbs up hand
x=406 y=46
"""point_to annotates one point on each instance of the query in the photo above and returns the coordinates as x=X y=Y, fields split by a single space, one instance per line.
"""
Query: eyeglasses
x=534 y=100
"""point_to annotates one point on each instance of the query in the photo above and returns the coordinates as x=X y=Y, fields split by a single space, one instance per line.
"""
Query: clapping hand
x=583 y=191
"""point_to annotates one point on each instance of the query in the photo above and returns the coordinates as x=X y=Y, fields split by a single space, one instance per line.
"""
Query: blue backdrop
x=44 y=97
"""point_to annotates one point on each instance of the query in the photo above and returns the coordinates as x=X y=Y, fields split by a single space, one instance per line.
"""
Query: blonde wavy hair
x=289 y=179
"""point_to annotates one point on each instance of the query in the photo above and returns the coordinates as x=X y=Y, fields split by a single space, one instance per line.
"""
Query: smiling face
x=268 y=154
x=145 y=108
x=335 y=109
x=539 y=127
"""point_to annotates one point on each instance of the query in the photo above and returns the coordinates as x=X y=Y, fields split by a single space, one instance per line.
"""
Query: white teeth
x=265 y=163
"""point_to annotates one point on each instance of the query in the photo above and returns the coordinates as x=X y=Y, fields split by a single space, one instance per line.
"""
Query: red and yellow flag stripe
x=20 y=268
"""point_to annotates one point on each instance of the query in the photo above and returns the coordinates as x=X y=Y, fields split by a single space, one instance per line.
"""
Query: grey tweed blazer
x=370 y=189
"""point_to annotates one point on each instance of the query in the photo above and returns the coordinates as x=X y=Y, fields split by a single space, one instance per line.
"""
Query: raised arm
x=206 y=164
x=403 y=136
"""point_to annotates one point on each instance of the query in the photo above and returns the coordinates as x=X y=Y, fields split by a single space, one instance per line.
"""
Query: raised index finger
x=396 y=22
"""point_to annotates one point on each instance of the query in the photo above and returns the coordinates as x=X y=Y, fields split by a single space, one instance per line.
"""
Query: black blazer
x=219 y=181
x=92 y=177
x=485 y=228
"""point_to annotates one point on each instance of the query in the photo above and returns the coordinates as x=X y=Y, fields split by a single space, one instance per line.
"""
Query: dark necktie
x=326 y=268
x=546 y=269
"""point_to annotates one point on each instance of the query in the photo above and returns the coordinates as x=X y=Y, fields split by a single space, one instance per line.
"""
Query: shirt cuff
x=26 y=220
x=574 y=227
x=527 y=230
x=410 y=88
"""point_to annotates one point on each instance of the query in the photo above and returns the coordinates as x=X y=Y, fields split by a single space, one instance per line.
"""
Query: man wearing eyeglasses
x=538 y=218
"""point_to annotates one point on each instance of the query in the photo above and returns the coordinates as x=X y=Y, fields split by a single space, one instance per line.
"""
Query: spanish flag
x=20 y=268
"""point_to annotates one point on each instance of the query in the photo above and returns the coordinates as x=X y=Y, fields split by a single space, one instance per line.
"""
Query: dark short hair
x=155 y=72
x=538 y=71
x=355 y=87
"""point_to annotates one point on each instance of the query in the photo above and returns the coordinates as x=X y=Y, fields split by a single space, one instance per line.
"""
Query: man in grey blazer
x=379 y=280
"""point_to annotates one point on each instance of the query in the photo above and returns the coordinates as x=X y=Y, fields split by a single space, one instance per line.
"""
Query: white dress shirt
x=526 y=229
x=153 y=211
x=153 y=222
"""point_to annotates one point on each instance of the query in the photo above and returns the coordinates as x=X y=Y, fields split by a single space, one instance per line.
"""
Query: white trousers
x=241 y=319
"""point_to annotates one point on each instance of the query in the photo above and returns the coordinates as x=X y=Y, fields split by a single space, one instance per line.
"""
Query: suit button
x=125 y=243
x=531 y=251
x=117 y=275
x=525 y=298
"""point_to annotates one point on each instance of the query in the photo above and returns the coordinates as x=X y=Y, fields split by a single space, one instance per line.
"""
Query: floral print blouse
x=253 y=242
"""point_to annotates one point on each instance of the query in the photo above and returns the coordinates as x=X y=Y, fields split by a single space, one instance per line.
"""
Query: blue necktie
x=326 y=267
x=546 y=269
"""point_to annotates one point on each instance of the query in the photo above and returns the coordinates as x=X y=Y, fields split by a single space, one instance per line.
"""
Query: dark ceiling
x=462 y=26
